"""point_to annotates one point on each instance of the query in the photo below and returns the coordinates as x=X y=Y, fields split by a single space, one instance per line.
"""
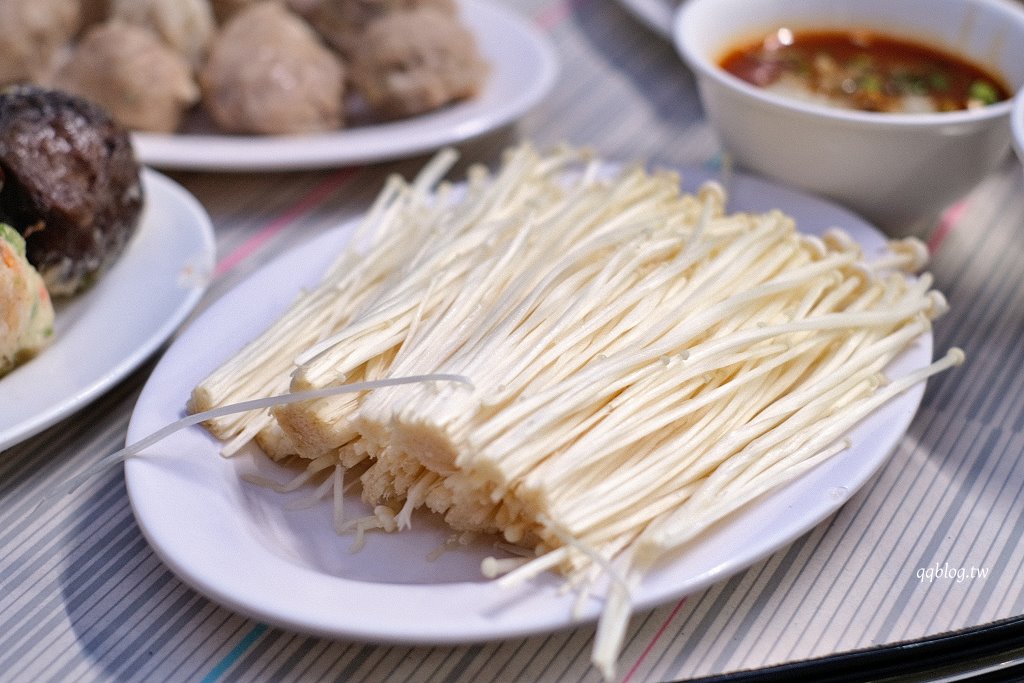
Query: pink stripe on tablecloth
x=654 y=641
x=946 y=224
x=555 y=13
x=314 y=198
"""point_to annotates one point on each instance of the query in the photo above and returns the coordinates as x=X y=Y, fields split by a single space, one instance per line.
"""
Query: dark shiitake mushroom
x=71 y=184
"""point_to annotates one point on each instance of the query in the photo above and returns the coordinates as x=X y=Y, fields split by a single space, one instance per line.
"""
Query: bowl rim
x=1017 y=123
x=704 y=66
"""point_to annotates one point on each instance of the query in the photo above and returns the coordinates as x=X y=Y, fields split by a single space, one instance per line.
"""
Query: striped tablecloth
x=83 y=597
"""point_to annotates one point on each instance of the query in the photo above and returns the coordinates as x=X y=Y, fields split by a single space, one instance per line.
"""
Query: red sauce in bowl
x=865 y=71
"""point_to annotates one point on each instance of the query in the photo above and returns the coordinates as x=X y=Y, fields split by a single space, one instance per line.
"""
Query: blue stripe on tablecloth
x=236 y=652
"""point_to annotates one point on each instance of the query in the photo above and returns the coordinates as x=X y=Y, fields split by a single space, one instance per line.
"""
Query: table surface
x=84 y=597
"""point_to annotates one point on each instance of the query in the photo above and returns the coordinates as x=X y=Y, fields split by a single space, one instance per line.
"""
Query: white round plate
x=106 y=332
x=523 y=69
x=243 y=548
x=657 y=15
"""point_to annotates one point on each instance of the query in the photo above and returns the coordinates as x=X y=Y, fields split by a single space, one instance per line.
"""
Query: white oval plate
x=106 y=332
x=524 y=66
x=241 y=547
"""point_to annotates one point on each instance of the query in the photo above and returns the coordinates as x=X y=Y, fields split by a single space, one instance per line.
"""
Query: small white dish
x=1017 y=124
x=242 y=548
x=104 y=333
x=898 y=170
x=524 y=66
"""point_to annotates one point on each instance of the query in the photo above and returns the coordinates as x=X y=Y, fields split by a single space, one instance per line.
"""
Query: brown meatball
x=223 y=10
x=94 y=12
x=187 y=26
x=269 y=73
x=34 y=31
x=343 y=22
x=71 y=184
x=412 y=62
x=128 y=70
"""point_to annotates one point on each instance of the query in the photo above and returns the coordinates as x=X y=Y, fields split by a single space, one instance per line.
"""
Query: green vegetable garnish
x=14 y=238
x=909 y=83
x=939 y=82
x=870 y=83
x=983 y=92
x=862 y=61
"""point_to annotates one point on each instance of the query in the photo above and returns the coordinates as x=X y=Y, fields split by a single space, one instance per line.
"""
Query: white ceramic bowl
x=1017 y=124
x=898 y=170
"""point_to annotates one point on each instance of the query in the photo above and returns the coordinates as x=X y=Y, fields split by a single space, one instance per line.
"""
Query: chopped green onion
x=870 y=83
x=984 y=92
x=938 y=81
x=861 y=61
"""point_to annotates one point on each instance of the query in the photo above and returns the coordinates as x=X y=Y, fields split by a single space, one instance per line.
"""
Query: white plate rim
x=190 y=245
x=481 y=611
x=524 y=69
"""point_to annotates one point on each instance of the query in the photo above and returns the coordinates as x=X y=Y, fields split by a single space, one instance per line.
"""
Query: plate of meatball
x=285 y=84
x=100 y=259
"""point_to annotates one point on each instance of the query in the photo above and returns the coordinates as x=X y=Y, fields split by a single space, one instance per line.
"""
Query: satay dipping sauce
x=865 y=71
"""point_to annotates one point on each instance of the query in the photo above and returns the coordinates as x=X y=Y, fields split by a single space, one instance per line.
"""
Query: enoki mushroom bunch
x=637 y=362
